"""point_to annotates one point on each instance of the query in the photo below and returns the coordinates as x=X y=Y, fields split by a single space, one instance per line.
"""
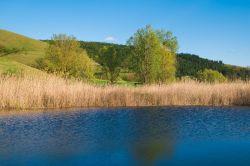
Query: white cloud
x=110 y=39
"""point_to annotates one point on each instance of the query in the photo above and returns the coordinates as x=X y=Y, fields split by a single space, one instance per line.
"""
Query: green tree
x=211 y=76
x=64 y=56
x=170 y=47
x=153 y=54
x=168 y=40
x=112 y=60
x=146 y=54
x=168 y=66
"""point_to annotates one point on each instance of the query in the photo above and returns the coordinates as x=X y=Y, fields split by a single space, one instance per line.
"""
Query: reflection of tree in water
x=155 y=142
x=155 y=150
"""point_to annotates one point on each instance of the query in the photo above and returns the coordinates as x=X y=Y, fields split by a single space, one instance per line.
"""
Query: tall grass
x=53 y=92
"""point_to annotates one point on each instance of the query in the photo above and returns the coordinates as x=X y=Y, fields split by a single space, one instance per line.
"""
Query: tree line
x=151 y=55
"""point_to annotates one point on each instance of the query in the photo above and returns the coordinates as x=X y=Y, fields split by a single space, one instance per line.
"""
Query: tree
x=146 y=53
x=168 y=66
x=168 y=40
x=211 y=76
x=170 y=47
x=64 y=56
x=153 y=53
x=111 y=60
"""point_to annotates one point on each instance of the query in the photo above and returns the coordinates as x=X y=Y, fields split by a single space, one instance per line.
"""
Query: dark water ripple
x=127 y=136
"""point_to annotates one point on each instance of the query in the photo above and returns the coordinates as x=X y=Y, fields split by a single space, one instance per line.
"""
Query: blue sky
x=214 y=29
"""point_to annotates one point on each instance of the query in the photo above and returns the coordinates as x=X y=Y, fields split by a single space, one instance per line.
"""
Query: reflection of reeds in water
x=53 y=92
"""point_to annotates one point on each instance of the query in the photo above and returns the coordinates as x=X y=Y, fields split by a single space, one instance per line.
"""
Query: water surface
x=127 y=136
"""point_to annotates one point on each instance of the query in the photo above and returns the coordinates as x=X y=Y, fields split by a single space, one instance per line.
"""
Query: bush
x=211 y=76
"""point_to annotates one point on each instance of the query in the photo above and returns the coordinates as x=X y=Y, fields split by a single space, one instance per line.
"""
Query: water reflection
x=145 y=136
x=151 y=152
x=157 y=142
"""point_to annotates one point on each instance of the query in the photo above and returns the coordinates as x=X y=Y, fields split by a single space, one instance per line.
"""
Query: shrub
x=211 y=76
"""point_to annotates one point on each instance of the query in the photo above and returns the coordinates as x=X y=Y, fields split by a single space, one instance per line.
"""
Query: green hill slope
x=19 y=52
x=13 y=40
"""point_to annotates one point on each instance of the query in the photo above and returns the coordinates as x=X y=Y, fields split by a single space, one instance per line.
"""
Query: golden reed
x=53 y=92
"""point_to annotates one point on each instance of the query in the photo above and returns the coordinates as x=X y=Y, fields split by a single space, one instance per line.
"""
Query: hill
x=19 y=52
x=13 y=40
x=189 y=65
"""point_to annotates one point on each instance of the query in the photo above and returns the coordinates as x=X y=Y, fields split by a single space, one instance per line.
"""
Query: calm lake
x=158 y=136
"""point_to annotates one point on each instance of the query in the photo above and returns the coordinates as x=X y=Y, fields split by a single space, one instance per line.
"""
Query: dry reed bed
x=53 y=92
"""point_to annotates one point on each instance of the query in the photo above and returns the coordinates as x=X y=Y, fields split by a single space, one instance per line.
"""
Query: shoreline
x=66 y=109
x=29 y=112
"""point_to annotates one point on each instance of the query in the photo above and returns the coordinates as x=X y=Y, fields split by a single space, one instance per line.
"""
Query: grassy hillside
x=13 y=40
x=26 y=51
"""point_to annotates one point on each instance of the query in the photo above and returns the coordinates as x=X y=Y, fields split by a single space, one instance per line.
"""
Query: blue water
x=161 y=136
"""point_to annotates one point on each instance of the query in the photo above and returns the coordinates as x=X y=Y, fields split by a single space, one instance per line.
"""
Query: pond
x=160 y=136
